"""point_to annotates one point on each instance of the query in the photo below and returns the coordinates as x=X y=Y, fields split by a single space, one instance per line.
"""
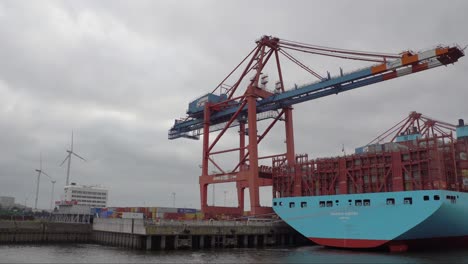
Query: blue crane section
x=404 y=64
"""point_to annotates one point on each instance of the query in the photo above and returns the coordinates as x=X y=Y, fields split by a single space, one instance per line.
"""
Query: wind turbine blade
x=67 y=157
x=72 y=142
x=46 y=174
x=78 y=156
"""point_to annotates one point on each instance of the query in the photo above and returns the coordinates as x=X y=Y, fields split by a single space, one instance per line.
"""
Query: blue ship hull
x=371 y=220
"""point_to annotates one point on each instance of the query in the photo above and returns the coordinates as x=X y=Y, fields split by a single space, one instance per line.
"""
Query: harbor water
x=91 y=253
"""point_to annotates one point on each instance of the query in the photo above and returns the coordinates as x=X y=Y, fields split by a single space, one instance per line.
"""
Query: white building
x=93 y=196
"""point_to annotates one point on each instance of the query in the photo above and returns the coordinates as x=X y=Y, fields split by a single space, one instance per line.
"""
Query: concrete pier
x=152 y=235
x=161 y=235
x=121 y=240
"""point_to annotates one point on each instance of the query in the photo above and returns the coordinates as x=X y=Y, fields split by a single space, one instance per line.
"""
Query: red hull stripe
x=436 y=242
x=395 y=245
x=348 y=243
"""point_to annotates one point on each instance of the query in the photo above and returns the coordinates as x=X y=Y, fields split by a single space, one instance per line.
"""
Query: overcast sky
x=117 y=74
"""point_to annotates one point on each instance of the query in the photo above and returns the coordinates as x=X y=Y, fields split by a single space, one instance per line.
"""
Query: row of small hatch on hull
x=367 y=202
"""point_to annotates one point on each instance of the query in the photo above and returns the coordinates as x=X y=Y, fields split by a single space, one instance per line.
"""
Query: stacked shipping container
x=150 y=212
x=421 y=164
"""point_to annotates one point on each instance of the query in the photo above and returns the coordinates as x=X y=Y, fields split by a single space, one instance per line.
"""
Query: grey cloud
x=118 y=73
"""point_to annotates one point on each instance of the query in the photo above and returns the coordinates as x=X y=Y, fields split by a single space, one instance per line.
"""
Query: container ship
x=408 y=193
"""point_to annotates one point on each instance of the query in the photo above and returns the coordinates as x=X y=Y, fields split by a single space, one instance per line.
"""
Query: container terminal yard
x=337 y=201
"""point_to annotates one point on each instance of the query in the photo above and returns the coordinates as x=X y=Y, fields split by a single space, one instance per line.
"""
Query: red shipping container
x=173 y=216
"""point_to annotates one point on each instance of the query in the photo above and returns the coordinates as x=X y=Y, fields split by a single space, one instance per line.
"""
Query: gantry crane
x=229 y=106
x=417 y=125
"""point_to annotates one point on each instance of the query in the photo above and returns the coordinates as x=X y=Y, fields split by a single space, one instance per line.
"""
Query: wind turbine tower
x=68 y=157
x=39 y=172
x=52 y=195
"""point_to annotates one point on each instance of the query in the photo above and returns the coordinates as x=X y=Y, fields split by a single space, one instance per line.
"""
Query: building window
x=292 y=205
x=390 y=201
x=321 y=204
x=329 y=203
x=275 y=203
x=426 y=197
x=436 y=197
x=303 y=204
x=358 y=203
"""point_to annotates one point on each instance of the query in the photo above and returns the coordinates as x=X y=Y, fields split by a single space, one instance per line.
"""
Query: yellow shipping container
x=200 y=215
x=190 y=216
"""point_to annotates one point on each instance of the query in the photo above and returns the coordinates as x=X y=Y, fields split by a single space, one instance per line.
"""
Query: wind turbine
x=39 y=172
x=70 y=152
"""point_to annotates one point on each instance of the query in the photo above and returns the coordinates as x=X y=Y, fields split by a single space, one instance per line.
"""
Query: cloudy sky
x=117 y=74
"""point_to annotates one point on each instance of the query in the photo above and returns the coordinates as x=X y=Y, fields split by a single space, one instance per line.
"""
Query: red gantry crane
x=248 y=101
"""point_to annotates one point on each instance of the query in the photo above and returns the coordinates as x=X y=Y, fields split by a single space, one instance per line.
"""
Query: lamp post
x=52 y=195
x=173 y=199
x=24 y=209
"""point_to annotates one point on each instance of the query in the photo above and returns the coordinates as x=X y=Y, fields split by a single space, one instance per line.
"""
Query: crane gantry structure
x=425 y=126
x=231 y=106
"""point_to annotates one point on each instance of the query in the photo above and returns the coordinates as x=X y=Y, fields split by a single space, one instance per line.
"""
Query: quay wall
x=43 y=232
x=154 y=235
x=197 y=234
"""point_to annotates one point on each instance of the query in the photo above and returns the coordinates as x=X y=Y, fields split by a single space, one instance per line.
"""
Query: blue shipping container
x=359 y=150
x=408 y=137
x=186 y=211
x=103 y=214
x=199 y=104
x=462 y=131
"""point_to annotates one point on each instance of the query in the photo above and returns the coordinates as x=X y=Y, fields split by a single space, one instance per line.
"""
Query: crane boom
x=406 y=64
